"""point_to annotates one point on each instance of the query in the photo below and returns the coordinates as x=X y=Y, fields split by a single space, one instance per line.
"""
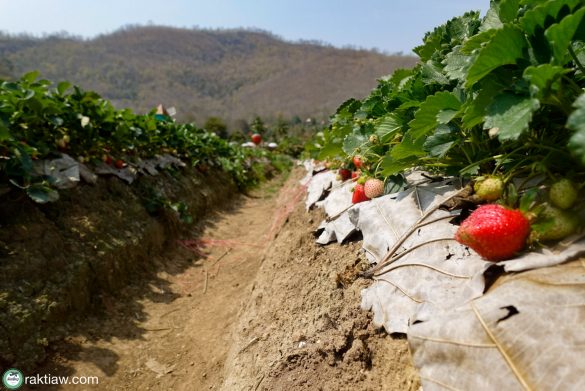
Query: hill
x=232 y=74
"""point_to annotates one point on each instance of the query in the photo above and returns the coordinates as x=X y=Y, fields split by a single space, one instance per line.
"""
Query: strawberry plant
x=39 y=121
x=499 y=95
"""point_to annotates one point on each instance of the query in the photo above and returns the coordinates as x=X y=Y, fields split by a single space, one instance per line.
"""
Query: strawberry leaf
x=543 y=78
x=576 y=123
x=438 y=144
x=505 y=47
x=425 y=119
x=388 y=127
x=353 y=142
x=391 y=166
x=511 y=115
x=561 y=34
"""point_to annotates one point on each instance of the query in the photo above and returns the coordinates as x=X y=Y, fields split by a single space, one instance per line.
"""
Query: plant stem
x=576 y=60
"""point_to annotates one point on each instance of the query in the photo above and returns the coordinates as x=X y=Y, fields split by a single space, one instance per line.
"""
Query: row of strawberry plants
x=39 y=120
x=496 y=98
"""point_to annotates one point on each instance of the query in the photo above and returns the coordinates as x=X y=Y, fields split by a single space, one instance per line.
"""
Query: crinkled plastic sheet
x=525 y=333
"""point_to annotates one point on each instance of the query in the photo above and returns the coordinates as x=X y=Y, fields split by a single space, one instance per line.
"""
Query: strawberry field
x=442 y=231
x=465 y=177
x=88 y=192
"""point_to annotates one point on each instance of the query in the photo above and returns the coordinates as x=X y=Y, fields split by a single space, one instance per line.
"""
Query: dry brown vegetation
x=232 y=74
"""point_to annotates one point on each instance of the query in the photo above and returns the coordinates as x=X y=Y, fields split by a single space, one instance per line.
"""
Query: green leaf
x=31 y=76
x=576 y=122
x=446 y=116
x=475 y=109
x=330 y=150
x=425 y=119
x=390 y=166
x=477 y=41
x=353 y=142
x=457 y=64
x=539 y=16
x=394 y=184
x=432 y=43
x=399 y=77
x=432 y=74
x=438 y=144
x=491 y=20
x=388 y=127
x=42 y=194
x=511 y=114
x=560 y=35
x=508 y=10
x=542 y=77
x=408 y=148
x=4 y=131
x=506 y=46
x=63 y=86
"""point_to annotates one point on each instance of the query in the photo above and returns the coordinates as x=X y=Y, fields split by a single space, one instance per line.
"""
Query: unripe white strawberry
x=374 y=188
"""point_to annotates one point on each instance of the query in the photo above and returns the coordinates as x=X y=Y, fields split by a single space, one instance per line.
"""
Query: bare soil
x=247 y=302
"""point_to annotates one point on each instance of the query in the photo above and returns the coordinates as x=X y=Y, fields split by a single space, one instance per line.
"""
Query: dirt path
x=172 y=332
x=242 y=305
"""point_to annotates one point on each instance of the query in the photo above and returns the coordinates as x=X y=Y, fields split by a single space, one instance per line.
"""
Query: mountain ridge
x=233 y=74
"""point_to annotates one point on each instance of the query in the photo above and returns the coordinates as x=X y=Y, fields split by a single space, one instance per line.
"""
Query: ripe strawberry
x=358 y=194
x=119 y=164
x=489 y=188
x=563 y=194
x=355 y=175
x=494 y=232
x=357 y=161
x=344 y=173
x=107 y=159
x=374 y=188
x=256 y=138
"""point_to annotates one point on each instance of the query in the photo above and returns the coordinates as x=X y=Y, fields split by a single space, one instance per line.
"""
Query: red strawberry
x=344 y=173
x=358 y=194
x=494 y=232
x=355 y=175
x=357 y=161
x=256 y=138
x=119 y=164
x=374 y=188
x=107 y=159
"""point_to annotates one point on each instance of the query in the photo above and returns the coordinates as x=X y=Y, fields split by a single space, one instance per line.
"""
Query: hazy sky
x=389 y=25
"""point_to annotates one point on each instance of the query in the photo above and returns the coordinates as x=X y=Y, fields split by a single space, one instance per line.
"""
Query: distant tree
x=217 y=126
x=6 y=69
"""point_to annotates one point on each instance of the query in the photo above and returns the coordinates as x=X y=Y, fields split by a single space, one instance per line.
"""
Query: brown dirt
x=259 y=308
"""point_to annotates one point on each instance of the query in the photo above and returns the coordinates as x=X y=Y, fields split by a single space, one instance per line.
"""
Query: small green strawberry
x=489 y=188
x=494 y=232
x=563 y=194
x=374 y=188
x=362 y=180
x=553 y=224
x=374 y=139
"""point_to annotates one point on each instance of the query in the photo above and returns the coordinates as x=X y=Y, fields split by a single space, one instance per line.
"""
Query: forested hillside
x=232 y=74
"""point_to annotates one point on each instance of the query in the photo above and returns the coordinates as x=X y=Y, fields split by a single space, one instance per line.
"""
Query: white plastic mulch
x=527 y=331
